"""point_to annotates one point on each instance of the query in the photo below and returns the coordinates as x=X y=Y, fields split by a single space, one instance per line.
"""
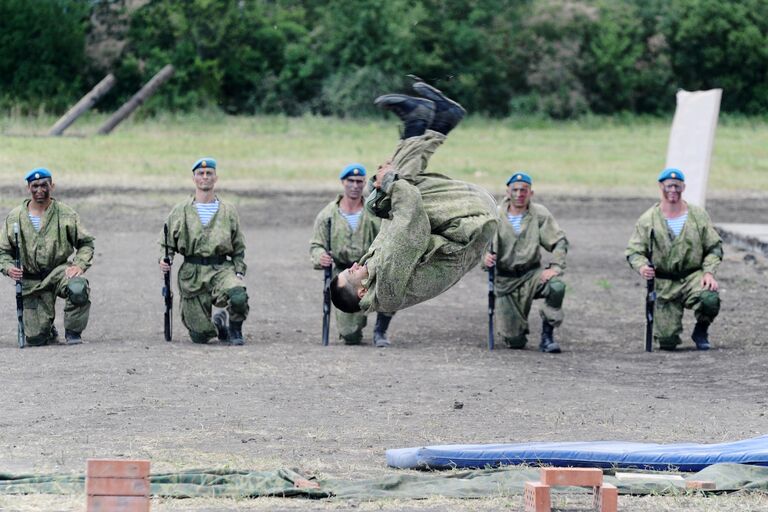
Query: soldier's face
x=520 y=193
x=672 y=190
x=354 y=275
x=353 y=187
x=205 y=179
x=40 y=190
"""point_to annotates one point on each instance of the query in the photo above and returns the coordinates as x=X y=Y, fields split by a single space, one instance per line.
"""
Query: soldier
x=49 y=233
x=686 y=254
x=353 y=228
x=206 y=231
x=438 y=226
x=524 y=227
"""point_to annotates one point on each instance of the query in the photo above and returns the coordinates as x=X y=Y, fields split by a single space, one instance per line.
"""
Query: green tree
x=42 y=47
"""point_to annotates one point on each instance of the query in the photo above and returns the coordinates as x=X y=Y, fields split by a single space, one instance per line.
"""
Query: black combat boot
x=220 y=322
x=699 y=336
x=548 y=343
x=448 y=113
x=415 y=113
x=380 y=331
x=236 y=333
x=72 y=337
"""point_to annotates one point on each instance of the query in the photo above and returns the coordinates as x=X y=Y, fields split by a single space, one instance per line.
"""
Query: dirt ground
x=283 y=400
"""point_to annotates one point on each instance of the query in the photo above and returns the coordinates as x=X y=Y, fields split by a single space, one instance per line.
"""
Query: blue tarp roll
x=593 y=454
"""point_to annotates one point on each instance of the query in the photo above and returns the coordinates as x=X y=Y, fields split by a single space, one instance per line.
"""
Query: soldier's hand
x=73 y=271
x=382 y=171
x=164 y=267
x=648 y=272
x=548 y=274
x=326 y=260
x=15 y=273
x=708 y=282
x=490 y=259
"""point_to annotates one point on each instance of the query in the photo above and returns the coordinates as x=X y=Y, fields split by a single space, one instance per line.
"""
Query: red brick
x=536 y=497
x=705 y=485
x=607 y=498
x=118 y=504
x=117 y=486
x=117 y=468
x=582 y=477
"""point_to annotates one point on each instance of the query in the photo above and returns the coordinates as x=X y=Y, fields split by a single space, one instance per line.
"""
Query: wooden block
x=582 y=477
x=117 y=486
x=607 y=498
x=536 y=497
x=704 y=485
x=118 y=504
x=117 y=468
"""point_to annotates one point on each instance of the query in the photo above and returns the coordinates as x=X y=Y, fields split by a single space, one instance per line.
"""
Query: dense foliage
x=560 y=58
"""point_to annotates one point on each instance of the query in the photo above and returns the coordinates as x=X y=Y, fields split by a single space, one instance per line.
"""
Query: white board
x=692 y=139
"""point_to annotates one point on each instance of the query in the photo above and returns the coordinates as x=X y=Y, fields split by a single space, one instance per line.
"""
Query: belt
x=37 y=277
x=205 y=260
x=516 y=273
x=675 y=276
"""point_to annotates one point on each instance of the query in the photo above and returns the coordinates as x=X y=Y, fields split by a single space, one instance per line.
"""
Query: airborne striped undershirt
x=676 y=224
x=353 y=219
x=516 y=221
x=206 y=211
x=35 y=221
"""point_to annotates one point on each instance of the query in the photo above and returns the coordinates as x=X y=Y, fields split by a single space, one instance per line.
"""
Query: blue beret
x=205 y=163
x=671 y=174
x=352 y=170
x=37 y=174
x=520 y=176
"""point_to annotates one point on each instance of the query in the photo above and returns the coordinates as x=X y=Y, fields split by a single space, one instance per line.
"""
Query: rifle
x=491 y=299
x=167 y=292
x=20 y=336
x=327 y=273
x=650 y=301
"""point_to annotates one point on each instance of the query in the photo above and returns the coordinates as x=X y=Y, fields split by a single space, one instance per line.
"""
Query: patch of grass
x=621 y=154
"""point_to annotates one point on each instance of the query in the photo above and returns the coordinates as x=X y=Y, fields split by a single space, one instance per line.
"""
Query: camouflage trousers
x=203 y=286
x=351 y=325
x=40 y=305
x=676 y=296
x=514 y=298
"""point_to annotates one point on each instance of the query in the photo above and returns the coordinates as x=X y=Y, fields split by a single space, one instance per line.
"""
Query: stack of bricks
x=115 y=485
x=537 y=496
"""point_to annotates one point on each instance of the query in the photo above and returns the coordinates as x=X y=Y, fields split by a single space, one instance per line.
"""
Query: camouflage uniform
x=518 y=272
x=213 y=281
x=44 y=257
x=347 y=247
x=438 y=231
x=680 y=263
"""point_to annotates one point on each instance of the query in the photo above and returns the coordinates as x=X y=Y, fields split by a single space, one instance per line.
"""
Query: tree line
x=558 y=58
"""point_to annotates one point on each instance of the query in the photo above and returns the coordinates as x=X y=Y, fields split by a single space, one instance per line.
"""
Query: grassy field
x=620 y=155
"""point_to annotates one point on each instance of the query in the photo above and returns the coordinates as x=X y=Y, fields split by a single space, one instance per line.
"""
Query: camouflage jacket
x=519 y=252
x=697 y=247
x=221 y=237
x=60 y=235
x=347 y=246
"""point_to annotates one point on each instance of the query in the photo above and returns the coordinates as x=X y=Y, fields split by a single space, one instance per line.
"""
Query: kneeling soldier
x=206 y=231
x=49 y=234
x=524 y=228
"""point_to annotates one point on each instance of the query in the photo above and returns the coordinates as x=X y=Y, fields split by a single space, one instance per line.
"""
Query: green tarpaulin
x=455 y=484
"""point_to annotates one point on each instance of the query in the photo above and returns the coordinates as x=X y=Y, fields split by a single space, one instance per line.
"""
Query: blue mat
x=594 y=454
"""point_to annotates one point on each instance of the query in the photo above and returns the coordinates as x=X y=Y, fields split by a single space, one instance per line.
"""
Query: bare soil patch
x=283 y=400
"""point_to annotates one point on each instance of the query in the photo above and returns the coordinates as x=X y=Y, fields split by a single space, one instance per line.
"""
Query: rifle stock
x=650 y=301
x=21 y=338
x=167 y=292
x=327 y=273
